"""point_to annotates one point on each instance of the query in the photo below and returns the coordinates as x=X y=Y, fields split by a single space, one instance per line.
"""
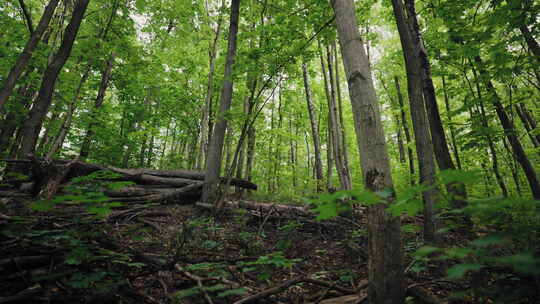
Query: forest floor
x=183 y=254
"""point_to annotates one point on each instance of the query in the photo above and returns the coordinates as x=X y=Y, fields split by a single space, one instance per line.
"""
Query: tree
x=424 y=147
x=32 y=125
x=386 y=282
x=26 y=55
x=213 y=165
x=314 y=129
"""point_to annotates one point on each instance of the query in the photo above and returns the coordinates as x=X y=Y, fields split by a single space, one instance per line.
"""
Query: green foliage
x=86 y=191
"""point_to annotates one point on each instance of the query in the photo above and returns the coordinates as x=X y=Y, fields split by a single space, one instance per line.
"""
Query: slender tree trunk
x=211 y=180
x=534 y=48
x=45 y=139
x=513 y=165
x=314 y=131
x=329 y=158
x=452 y=129
x=105 y=77
x=33 y=124
x=510 y=131
x=529 y=123
x=203 y=134
x=398 y=125
x=340 y=111
x=26 y=54
x=27 y=16
x=493 y=152
x=424 y=147
x=386 y=279
x=15 y=117
x=343 y=171
x=440 y=146
x=406 y=130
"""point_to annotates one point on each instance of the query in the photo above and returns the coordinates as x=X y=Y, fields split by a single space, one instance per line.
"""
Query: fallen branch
x=271 y=291
x=198 y=280
x=424 y=295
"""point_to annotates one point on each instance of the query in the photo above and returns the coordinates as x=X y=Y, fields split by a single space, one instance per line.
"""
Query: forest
x=269 y=151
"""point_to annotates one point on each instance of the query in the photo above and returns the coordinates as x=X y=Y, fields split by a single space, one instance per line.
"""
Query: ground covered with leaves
x=185 y=254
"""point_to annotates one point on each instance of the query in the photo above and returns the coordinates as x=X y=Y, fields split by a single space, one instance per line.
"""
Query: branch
x=27 y=16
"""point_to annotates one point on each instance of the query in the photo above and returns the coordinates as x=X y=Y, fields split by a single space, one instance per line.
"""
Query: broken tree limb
x=198 y=280
x=271 y=291
x=177 y=194
x=150 y=176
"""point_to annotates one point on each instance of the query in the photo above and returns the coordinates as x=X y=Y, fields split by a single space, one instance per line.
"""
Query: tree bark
x=440 y=145
x=203 y=134
x=386 y=279
x=424 y=147
x=210 y=188
x=314 y=130
x=105 y=77
x=27 y=16
x=452 y=129
x=510 y=131
x=337 y=136
x=406 y=130
x=340 y=110
x=33 y=124
x=26 y=54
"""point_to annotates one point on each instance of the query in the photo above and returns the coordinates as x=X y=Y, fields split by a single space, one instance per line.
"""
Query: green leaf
x=459 y=270
x=425 y=251
x=453 y=176
x=232 y=292
x=43 y=205
x=326 y=211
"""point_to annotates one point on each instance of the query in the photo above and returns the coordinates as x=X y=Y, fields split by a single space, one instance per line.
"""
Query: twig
x=271 y=291
x=196 y=279
x=149 y=223
x=329 y=285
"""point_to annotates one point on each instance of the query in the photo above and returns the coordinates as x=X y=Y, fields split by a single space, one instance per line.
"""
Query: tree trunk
x=386 y=279
x=424 y=147
x=440 y=145
x=105 y=77
x=15 y=117
x=26 y=54
x=406 y=130
x=314 y=131
x=529 y=123
x=329 y=158
x=510 y=131
x=340 y=112
x=27 y=16
x=203 y=134
x=33 y=124
x=452 y=130
x=337 y=136
x=210 y=188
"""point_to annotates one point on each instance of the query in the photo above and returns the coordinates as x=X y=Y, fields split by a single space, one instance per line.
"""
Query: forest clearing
x=269 y=151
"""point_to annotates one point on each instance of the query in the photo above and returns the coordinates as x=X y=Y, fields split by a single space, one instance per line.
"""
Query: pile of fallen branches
x=46 y=177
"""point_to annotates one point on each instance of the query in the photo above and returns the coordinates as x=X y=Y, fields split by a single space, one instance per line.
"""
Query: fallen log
x=47 y=176
x=193 y=189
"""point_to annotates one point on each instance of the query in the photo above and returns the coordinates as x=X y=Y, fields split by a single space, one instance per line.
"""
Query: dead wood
x=47 y=177
x=350 y=299
x=173 y=195
x=271 y=291
x=423 y=295
x=13 y=194
x=198 y=280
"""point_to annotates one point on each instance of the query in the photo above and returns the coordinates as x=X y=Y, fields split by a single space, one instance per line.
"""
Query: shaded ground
x=182 y=254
